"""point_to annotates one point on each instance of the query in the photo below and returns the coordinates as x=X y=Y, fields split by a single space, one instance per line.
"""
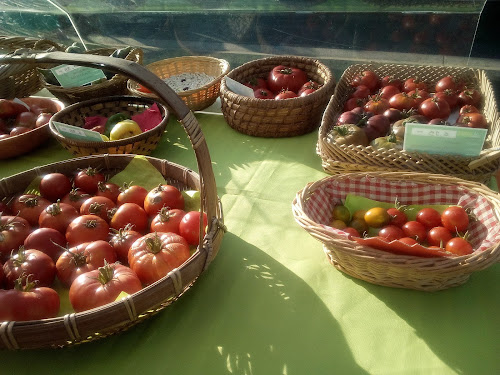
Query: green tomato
x=124 y=129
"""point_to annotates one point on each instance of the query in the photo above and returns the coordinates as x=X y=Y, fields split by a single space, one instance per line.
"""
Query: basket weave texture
x=18 y=81
x=313 y=205
x=117 y=85
x=196 y=99
x=277 y=118
x=341 y=158
x=75 y=114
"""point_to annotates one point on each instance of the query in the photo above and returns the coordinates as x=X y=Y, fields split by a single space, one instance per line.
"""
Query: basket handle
x=148 y=79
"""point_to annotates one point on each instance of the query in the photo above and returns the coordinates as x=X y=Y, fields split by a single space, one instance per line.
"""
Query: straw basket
x=277 y=118
x=115 y=317
x=198 y=98
x=312 y=209
x=116 y=85
x=75 y=114
x=19 y=81
x=340 y=158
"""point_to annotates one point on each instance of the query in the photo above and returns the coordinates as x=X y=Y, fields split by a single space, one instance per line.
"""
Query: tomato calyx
x=285 y=70
x=30 y=201
x=54 y=209
x=20 y=257
x=153 y=243
x=106 y=273
x=23 y=283
x=8 y=224
x=165 y=214
x=91 y=223
x=95 y=208
x=91 y=171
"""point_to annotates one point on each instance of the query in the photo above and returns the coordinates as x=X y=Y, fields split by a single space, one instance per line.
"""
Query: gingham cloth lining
x=483 y=233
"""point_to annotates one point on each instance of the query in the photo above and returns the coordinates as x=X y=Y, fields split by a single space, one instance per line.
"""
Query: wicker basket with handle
x=100 y=322
x=341 y=158
x=313 y=207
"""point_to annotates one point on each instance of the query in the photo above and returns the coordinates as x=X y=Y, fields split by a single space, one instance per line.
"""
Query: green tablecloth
x=270 y=303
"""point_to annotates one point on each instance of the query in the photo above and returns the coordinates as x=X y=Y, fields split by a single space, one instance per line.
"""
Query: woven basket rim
x=108 y=144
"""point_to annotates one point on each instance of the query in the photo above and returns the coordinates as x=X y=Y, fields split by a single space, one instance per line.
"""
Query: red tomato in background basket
x=99 y=206
x=102 y=286
x=283 y=77
x=256 y=83
x=75 y=197
x=108 y=190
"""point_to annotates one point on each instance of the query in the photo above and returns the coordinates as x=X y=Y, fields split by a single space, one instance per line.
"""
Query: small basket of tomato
x=290 y=94
x=403 y=229
x=363 y=126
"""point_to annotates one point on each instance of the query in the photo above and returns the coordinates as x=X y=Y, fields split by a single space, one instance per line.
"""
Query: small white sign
x=239 y=88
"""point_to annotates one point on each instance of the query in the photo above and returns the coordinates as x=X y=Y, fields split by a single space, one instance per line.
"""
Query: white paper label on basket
x=74 y=76
x=239 y=88
x=75 y=132
x=444 y=140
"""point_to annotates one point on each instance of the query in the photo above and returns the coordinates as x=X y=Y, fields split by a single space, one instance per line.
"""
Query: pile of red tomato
x=446 y=231
x=282 y=82
x=16 y=118
x=92 y=236
x=382 y=106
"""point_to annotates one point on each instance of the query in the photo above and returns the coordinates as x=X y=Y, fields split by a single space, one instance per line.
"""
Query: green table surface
x=270 y=303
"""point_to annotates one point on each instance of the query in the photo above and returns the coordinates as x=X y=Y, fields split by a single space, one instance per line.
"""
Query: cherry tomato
x=189 y=227
x=88 y=179
x=286 y=77
x=415 y=230
x=455 y=219
x=121 y=240
x=391 y=232
x=154 y=255
x=102 y=286
x=99 y=206
x=429 y=217
x=439 y=236
x=54 y=186
x=13 y=232
x=398 y=216
x=167 y=220
x=57 y=216
x=459 y=246
x=29 y=207
x=48 y=240
x=367 y=78
x=132 y=194
x=163 y=196
x=31 y=262
x=130 y=214
x=352 y=232
x=86 y=228
x=108 y=190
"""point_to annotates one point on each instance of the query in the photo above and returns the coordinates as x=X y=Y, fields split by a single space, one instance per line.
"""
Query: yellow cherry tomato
x=338 y=224
x=377 y=217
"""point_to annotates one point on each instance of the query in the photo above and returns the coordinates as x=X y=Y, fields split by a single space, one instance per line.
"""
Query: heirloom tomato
x=367 y=78
x=13 y=232
x=75 y=198
x=48 y=240
x=468 y=108
x=419 y=96
x=99 y=206
x=450 y=96
x=108 y=190
x=57 y=216
x=130 y=214
x=54 y=186
x=414 y=83
x=287 y=78
x=154 y=255
x=473 y=120
x=167 y=220
x=86 y=228
x=163 y=196
x=285 y=94
x=361 y=92
x=435 y=107
x=132 y=194
x=122 y=239
x=402 y=101
x=38 y=265
x=469 y=97
x=388 y=92
x=376 y=104
x=391 y=81
x=308 y=88
x=88 y=179
x=102 y=286
x=29 y=207
x=446 y=83
x=189 y=227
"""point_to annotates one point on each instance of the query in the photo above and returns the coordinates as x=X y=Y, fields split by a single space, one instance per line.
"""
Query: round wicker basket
x=196 y=99
x=313 y=206
x=341 y=158
x=75 y=115
x=277 y=118
x=116 y=85
x=115 y=317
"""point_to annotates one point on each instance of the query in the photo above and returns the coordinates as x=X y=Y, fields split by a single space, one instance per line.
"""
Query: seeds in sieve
x=188 y=81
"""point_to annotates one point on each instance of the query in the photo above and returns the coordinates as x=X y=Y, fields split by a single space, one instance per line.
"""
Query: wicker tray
x=339 y=159
x=117 y=85
x=313 y=206
x=19 y=81
x=196 y=99
x=75 y=114
x=100 y=322
x=277 y=118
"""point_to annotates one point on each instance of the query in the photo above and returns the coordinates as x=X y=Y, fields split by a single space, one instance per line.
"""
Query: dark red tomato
x=189 y=228
x=163 y=196
x=99 y=206
x=263 y=93
x=285 y=94
x=439 y=121
x=349 y=117
x=391 y=232
x=54 y=186
x=4 y=208
x=450 y=96
x=429 y=217
x=167 y=220
x=26 y=120
x=419 y=96
x=455 y=219
x=75 y=198
x=19 y=130
x=435 y=107
x=415 y=230
x=132 y=194
x=388 y=92
x=414 y=83
x=380 y=124
x=398 y=216
x=29 y=207
x=35 y=263
x=309 y=86
x=468 y=108
x=459 y=246
x=367 y=78
x=88 y=180
x=130 y=214
x=286 y=78
x=87 y=228
x=121 y=240
x=83 y=258
x=13 y=232
x=361 y=92
x=28 y=303
x=391 y=81
x=402 y=101
x=154 y=255
x=108 y=190
x=446 y=83
x=306 y=92
x=439 y=236
x=353 y=103
x=393 y=115
x=102 y=286
x=57 y=216
x=48 y=240
x=473 y=120
x=376 y=105
x=469 y=97
x=256 y=83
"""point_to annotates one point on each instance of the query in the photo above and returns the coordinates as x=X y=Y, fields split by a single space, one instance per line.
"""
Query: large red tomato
x=87 y=228
x=189 y=227
x=54 y=186
x=75 y=197
x=57 y=216
x=48 y=240
x=88 y=179
x=455 y=219
x=163 y=196
x=83 y=258
x=154 y=255
x=435 y=107
x=13 y=232
x=286 y=78
x=130 y=214
x=132 y=194
x=38 y=265
x=167 y=220
x=29 y=207
x=108 y=190
x=102 y=286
